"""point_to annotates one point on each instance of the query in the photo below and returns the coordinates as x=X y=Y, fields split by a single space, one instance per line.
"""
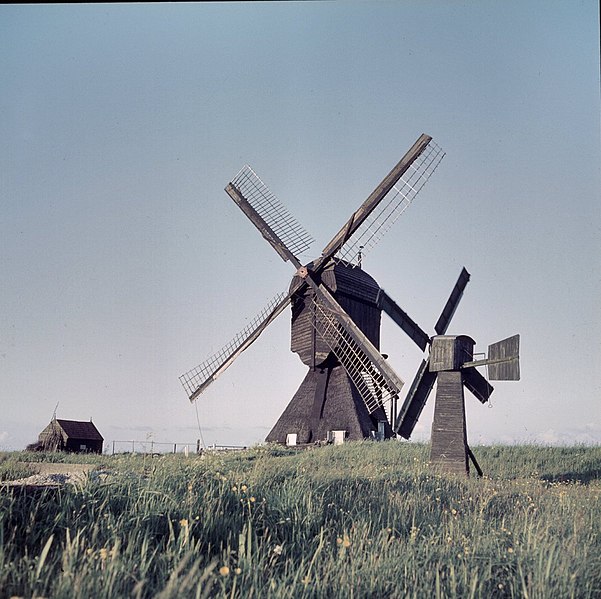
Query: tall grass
x=358 y=520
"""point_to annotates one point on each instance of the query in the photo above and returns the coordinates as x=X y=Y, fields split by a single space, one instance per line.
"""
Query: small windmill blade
x=452 y=302
x=416 y=400
x=504 y=360
x=375 y=380
x=387 y=202
x=265 y=211
x=400 y=317
x=477 y=384
x=195 y=381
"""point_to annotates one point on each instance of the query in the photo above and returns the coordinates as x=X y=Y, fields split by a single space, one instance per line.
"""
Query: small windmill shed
x=71 y=435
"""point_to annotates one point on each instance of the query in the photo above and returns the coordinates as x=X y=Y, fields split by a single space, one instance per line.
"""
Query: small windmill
x=451 y=365
x=335 y=311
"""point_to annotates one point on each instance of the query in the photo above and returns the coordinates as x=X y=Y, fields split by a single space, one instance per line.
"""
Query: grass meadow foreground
x=357 y=520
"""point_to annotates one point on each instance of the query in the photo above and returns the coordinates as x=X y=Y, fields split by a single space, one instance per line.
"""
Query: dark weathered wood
x=415 y=401
x=449 y=435
x=392 y=379
x=343 y=409
x=359 y=216
x=313 y=337
x=489 y=362
x=72 y=436
x=356 y=292
x=415 y=332
x=504 y=357
x=319 y=400
x=449 y=352
x=447 y=313
x=442 y=353
x=477 y=384
x=472 y=457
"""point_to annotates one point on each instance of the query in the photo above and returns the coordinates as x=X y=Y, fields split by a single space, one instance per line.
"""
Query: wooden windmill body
x=451 y=365
x=336 y=308
x=449 y=447
x=327 y=399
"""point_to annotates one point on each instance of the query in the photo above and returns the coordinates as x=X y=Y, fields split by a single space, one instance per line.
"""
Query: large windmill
x=335 y=309
x=450 y=363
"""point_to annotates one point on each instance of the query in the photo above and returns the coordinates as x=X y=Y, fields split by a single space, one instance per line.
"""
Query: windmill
x=335 y=326
x=451 y=365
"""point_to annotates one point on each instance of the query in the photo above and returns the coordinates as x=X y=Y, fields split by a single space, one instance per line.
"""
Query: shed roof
x=80 y=430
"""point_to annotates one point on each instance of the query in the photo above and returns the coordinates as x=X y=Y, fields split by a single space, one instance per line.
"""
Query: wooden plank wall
x=356 y=292
x=449 y=435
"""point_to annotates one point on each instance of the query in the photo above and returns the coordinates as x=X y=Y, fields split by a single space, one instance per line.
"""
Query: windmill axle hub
x=302 y=272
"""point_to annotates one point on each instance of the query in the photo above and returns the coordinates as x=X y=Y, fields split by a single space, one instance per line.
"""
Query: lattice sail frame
x=272 y=211
x=209 y=370
x=366 y=377
x=392 y=205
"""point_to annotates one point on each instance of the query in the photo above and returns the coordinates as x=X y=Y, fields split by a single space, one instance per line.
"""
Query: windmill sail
x=195 y=381
x=416 y=400
x=403 y=320
x=269 y=215
x=413 y=176
x=477 y=384
x=504 y=360
x=444 y=320
x=372 y=377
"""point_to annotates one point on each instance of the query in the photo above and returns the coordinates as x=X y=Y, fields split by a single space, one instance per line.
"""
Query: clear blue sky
x=124 y=263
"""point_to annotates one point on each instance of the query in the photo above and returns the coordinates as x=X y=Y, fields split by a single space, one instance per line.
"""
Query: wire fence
x=160 y=448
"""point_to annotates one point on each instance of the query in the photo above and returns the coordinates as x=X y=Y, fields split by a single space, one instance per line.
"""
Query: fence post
x=175 y=448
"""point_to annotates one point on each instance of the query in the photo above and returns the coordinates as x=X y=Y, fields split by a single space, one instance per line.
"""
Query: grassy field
x=358 y=520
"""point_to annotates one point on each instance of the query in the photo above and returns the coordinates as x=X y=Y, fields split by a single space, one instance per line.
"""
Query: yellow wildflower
x=224 y=570
x=346 y=542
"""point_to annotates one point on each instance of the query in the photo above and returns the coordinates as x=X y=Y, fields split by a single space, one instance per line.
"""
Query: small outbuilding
x=71 y=435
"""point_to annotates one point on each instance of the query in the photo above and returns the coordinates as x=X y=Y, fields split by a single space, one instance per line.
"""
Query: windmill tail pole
x=472 y=457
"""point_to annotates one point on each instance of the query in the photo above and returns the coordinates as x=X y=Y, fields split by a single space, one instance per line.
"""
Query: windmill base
x=450 y=451
x=327 y=401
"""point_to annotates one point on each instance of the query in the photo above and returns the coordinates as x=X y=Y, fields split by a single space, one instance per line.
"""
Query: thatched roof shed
x=71 y=435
